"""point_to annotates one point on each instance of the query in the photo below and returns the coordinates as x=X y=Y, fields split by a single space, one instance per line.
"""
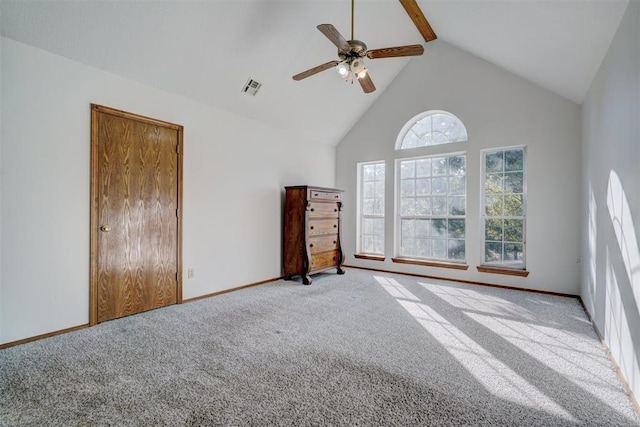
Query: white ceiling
x=206 y=50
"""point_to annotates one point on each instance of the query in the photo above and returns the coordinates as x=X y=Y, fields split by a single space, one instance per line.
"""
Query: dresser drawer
x=324 y=260
x=322 y=226
x=323 y=243
x=323 y=209
x=325 y=195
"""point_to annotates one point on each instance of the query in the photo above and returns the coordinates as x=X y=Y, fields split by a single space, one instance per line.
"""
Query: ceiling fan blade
x=367 y=84
x=392 y=52
x=416 y=15
x=315 y=70
x=334 y=35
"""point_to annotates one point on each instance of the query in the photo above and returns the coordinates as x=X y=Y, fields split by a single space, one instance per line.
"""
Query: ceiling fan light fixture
x=343 y=69
x=363 y=73
x=357 y=65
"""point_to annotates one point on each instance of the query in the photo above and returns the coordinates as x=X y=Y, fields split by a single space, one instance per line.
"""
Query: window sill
x=370 y=257
x=426 y=263
x=500 y=270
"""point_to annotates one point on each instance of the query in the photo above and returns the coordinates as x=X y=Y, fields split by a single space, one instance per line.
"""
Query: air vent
x=252 y=87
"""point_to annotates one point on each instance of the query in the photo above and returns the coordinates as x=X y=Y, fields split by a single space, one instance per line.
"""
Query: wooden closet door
x=135 y=227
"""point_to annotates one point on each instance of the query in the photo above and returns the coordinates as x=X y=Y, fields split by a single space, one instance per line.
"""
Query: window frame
x=483 y=265
x=361 y=216
x=434 y=261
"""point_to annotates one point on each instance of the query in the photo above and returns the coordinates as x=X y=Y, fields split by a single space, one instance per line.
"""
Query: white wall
x=498 y=110
x=611 y=197
x=234 y=173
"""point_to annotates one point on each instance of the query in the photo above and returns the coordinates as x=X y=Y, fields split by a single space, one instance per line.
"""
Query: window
x=431 y=128
x=432 y=207
x=503 y=182
x=371 y=227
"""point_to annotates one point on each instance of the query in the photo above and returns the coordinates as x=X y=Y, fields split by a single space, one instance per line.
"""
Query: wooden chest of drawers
x=312 y=231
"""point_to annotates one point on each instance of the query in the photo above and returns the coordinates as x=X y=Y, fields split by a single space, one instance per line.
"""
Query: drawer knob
x=311 y=245
x=337 y=196
x=334 y=242
x=311 y=227
x=335 y=225
x=335 y=210
x=312 y=210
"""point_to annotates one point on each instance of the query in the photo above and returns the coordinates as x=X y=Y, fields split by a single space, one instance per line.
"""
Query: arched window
x=431 y=128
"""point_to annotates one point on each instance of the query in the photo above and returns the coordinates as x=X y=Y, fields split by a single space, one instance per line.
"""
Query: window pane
x=378 y=207
x=411 y=140
x=408 y=206
x=457 y=185
x=440 y=186
x=456 y=228
x=368 y=189
x=493 y=205
x=408 y=246
x=423 y=168
x=407 y=227
x=440 y=248
x=457 y=166
x=423 y=248
x=439 y=166
x=423 y=228
x=407 y=187
x=423 y=206
x=493 y=162
x=378 y=244
x=513 y=252
x=380 y=172
x=456 y=250
x=493 y=252
x=514 y=205
x=368 y=206
x=423 y=187
x=514 y=160
x=368 y=172
x=367 y=244
x=493 y=183
x=407 y=169
x=367 y=226
x=457 y=205
x=439 y=205
x=493 y=229
x=513 y=182
x=439 y=228
x=379 y=189
x=513 y=230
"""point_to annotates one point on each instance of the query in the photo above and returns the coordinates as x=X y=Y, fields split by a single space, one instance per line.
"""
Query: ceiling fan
x=352 y=52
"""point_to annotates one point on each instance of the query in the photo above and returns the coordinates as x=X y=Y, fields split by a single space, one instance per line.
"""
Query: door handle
x=105 y=228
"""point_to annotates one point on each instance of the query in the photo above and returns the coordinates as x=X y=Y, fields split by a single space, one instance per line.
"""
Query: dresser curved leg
x=340 y=270
x=306 y=279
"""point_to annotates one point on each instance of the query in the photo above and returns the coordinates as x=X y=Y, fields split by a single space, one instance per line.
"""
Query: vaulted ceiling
x=206 y=50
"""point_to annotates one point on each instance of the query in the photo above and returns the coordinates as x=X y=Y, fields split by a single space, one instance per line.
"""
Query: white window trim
x=483 y=174
x=397 y=231
x=359 y=214
x=416 y=118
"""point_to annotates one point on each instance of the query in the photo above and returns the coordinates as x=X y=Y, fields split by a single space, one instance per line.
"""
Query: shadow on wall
x=623 y=291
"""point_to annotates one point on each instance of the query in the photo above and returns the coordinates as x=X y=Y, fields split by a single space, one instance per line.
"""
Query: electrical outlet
x=190 y=273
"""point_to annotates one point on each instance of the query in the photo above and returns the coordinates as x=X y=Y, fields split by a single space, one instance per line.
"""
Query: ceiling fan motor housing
x=356 y=49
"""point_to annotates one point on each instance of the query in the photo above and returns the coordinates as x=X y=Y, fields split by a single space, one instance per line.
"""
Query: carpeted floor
x=365 y=348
